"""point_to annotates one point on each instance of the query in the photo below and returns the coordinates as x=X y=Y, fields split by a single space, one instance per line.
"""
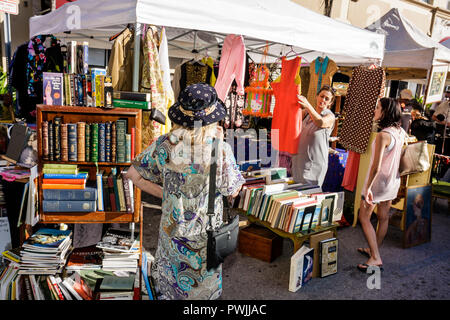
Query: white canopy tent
x=406 y=46
x=283 y=23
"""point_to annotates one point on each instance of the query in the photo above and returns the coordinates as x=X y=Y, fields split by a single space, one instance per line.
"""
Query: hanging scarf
x=320 y=68
x=36 y=62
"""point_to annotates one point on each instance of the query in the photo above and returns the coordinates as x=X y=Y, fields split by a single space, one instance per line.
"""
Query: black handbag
x=158 y=116
x=222 y=241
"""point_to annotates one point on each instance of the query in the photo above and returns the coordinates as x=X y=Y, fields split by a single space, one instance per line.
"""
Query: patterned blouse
x=179 y=270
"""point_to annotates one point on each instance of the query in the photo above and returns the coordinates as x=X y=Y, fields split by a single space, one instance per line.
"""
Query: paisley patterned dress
x=179 y=270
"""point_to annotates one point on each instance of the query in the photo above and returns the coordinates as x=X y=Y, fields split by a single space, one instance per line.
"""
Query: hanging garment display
x=259 y=95
x=321 y=73
x=366 y=86
x=165 y=73
x=193 y=72
x=152 y=82
x=231 y=66
x=287 y=115
x=234 y=103
x=209 y=61
x=120 y=65
x=30 y=61
x=351 y=171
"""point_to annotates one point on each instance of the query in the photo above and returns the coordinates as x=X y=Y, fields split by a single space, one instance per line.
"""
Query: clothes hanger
x=129 y=27
x=291 y=51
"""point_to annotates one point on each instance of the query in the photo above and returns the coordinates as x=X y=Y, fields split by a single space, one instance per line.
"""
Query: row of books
x=290 y=207
x=87 y=142
x=113 y=193
x=89 y=90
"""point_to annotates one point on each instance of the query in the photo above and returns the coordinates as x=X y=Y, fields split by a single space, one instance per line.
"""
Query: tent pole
x=136 y=53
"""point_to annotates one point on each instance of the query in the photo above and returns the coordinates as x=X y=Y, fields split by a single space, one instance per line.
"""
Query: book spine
x=108 y=141
x=133 y=145
x=131 y=96
x=101 y=142
x=83 y=80
x=64 y=181
x=106 y=199
x=116 y=192
x=56 y=287
x=72 y=141
x=108 y=92
x=128 y=147
x=121 y=193
x=99 y=93
x=68 y=206
x=62 y=186
x=65 y=176
x=51 y=155
x=120 y=137
x=87 y=142
x=79 y=87
x=56 y=138
x=45 y=141
x=89 y=98
x=59 y=166
x=100 y=203
x=66 y=90
x=113 y=142
x=126 y=189
x=88 y=194
x=81 y=132
x=64 y=143
x=94 y=142
x=119 y=103
x=55 y=170
x=112 y=197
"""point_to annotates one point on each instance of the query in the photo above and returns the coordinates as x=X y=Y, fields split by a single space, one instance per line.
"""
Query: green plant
x=419 y=99
x=3 y=82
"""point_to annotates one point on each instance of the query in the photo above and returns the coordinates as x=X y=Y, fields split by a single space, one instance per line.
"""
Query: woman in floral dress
x=179 y=161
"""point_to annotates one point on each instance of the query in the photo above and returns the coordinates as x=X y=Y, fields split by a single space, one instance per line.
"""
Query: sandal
x=363 y=252
x=364 y=266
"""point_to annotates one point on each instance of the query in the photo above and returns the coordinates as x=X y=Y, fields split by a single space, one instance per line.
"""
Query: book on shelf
x=116 y=191
x=80 y=175
x=87 y=142
x=51 y=143
x=101 y=142
x=66 y=186
x=108 y=92
x=99 y=183
x=132 y=96
x=72 y=141
x=133 y=143
x=128 y=147
x=48 y=240
x=100 y=91
x=301 y=268
x=112 y=195
x=120 y=139
x=69 y=205
x=94 y=73
x=123 y=103
x=106 y=198
x=64 y=143
x=128 y=191
x=45 y=156
x=328 y=256
x=81 y=131
x=121 y=193
x=64 y=181
x=108 y=141
x=53 y=88
x=113 y=141
x=94 y=142
x=72 y=56
x=89 y=98
x=56 y=138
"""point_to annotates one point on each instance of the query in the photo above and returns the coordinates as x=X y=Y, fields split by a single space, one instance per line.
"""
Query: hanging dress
x=287 y=115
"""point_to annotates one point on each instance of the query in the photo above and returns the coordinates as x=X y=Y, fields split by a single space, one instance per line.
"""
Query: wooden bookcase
x=71 y=114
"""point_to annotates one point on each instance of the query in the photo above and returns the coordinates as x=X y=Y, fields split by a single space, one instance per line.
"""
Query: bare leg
x=383 y=220
x=365 y=213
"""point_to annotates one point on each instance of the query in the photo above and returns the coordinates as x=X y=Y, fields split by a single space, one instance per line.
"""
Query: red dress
x=287 y=115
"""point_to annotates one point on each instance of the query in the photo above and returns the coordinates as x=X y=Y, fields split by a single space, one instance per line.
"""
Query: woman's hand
x=304 y=103
x=368 y=196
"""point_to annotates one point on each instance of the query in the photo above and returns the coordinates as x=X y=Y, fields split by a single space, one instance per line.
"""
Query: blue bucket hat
x=197 y=102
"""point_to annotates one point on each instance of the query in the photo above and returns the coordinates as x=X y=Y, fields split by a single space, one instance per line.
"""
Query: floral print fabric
x=179 y=270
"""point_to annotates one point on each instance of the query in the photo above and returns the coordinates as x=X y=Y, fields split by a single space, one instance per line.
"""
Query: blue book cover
x=101 y=142
x=48 y=238
x=72 y=141
x=299 y=220
x=68 y=206
x=87 y=193
x=65 y=176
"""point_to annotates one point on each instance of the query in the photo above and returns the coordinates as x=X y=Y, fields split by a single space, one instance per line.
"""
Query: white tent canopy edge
x=282 y=22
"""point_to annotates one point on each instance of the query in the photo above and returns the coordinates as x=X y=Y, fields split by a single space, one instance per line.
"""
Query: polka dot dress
x=365 y=87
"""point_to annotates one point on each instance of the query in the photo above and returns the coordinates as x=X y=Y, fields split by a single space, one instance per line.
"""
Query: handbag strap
x=212 y=185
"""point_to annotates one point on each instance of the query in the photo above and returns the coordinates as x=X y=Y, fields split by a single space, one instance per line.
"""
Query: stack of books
x=87 y=142
x=65 y=190
x=120 y=249
x=115 y=191
x=45 y=252
x=127 y=99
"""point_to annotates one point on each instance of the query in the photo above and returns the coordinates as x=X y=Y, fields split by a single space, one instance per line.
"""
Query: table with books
x=291 y=210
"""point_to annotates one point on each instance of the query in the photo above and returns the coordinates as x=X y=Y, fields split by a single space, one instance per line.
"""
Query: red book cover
x=111 y=193
x=133 y=135
x=64 y=181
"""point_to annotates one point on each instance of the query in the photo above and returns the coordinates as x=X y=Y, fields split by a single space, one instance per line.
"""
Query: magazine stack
x=45 y=252
x=121 y=250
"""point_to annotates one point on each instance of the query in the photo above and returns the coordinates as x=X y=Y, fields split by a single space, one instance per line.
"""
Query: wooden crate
x=260 y=243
